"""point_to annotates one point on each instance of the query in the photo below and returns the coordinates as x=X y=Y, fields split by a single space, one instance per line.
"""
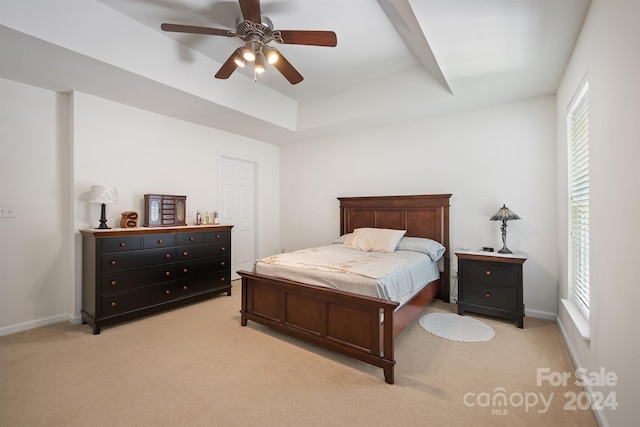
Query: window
x=578 y=144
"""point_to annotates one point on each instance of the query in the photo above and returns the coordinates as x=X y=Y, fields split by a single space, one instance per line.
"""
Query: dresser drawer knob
x=160 y=242
x=487 y=295
x=113 y=304
x=222 y=279
x=113 y=262
x=222 y=249
x=185 y=287
x=185 y=270
x=167 y=256
x=488 y=272
x=218 y=236
x=123 y=244
x=167 y=291
x=223 y=263
x=112 y=283
x=185 y=253
x=191 y=239
x=167 y=273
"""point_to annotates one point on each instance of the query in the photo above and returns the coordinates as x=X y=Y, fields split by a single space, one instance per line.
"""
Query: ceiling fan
x=256 y=31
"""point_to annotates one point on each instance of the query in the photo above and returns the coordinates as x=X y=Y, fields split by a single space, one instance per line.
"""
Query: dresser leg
x=520 y=323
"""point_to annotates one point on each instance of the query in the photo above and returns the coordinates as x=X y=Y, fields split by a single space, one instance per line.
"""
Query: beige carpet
x=196 y=366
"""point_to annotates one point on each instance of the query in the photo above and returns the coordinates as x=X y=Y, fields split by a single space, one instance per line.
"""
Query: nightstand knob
x=167 y=273
x=113 y=262
x=160 y=241
x=122 y=245
x=488 y=272
x=167 y=256
x=112 y=283
x=167 y=291
x=487 y=295
x=185 y=253
x=222 y=263
x=185 y=287
x=112 y=304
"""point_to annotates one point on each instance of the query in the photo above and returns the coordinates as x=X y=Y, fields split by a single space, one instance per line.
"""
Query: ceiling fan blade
x=309 y=38
x=177 y=28
x=287 y=70
x=229 y=66
x=251 y=10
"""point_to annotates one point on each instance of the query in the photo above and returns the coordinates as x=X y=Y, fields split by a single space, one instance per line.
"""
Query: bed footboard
x=336 y=320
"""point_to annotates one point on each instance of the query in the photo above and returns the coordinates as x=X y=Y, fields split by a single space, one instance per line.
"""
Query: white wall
x=484 y=157
x=36 y=263
x=608 y=52
x=56 y=146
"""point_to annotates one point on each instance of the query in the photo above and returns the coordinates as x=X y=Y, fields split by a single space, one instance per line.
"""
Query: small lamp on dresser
x=504 y=214
x=103 y=195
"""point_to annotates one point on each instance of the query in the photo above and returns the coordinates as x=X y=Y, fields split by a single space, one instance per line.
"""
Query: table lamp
x=504 y=214
x=103 y=195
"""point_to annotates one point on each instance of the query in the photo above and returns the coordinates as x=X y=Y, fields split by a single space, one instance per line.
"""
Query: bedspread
x=393 y=276
x=369 y=264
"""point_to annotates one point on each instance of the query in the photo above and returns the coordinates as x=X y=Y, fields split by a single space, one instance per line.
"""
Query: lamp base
x=505 y=250
x=103 y=219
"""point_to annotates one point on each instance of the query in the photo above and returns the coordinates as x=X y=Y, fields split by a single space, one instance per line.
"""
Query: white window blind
x=578 y=129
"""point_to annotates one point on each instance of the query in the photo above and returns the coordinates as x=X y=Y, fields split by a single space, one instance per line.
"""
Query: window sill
x=578 y=319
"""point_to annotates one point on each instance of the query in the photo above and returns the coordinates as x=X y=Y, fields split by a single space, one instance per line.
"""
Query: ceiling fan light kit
x=256 y=30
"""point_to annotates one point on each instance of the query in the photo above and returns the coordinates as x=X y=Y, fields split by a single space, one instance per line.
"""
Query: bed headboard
x=425 y=215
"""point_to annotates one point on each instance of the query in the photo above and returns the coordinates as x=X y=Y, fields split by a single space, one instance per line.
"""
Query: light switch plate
x=7 y=212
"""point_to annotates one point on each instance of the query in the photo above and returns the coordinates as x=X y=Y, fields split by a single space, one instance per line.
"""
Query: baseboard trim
x=540 y=314
x=599 y=414
x=32 y=324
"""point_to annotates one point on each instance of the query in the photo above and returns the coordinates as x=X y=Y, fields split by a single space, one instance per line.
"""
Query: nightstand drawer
x=492 y=273
x=490 y=296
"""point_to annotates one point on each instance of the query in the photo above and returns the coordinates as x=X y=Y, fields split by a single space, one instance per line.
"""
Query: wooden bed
x=346 y=322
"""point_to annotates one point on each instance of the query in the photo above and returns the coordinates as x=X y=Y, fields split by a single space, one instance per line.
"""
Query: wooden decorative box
x=163 y=210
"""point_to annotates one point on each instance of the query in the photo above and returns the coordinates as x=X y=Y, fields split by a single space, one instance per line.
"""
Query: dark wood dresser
x=491 y=284
x=132 y=272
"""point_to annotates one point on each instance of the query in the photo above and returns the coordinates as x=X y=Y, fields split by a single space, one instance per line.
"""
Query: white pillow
x=374 y=239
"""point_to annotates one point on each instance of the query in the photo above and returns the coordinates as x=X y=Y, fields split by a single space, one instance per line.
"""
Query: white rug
x=457 y=328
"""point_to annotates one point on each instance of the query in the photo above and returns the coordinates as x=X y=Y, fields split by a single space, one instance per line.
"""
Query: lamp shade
x=504 y=214
x=103 y=194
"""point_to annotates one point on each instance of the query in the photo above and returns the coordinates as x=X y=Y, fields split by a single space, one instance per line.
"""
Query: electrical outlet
x=7 y=212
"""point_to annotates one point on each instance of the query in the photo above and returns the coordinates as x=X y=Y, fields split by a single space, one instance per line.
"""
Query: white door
x=237 y=206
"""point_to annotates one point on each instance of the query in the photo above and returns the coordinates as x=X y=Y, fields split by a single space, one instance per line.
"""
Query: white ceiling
x=395 y=60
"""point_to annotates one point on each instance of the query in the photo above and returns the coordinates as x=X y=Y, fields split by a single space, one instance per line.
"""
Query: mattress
x=395 y=276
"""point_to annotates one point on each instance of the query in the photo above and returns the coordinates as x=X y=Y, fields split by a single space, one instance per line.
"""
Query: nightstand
x=491 y=283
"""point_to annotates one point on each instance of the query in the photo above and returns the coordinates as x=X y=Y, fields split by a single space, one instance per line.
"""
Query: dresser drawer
x=121 y=303
x=118 y=262
x=159 y=241
x=195 y=238
x=490 y=296
x=131 y=279
x=490 y=273
x=205 y=283
x=201 y=251
x=217 y=236
x=201 y=266
x=121 y=244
